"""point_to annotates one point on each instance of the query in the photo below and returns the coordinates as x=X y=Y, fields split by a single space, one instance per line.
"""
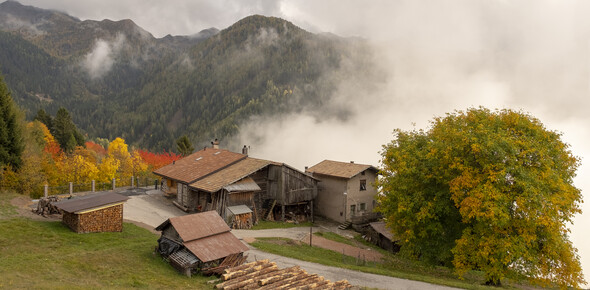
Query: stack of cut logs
x=45 y=206
x=266 y=275
x=229 y=262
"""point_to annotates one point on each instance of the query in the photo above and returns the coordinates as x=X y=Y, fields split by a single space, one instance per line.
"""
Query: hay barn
x=199 y=242
x=100 y=212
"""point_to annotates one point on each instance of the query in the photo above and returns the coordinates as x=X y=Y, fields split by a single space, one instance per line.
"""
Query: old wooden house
x=198 y=242
x=215 y=179
x=100 y=212
x=347 y=189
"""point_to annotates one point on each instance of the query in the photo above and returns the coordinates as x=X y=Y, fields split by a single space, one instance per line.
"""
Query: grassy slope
x=38 y=254
x=393 y=265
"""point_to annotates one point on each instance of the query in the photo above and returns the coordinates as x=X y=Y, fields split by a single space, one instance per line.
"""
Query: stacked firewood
x=242 y=221
x=45 y=206
x=230 y=261
x=267 y=275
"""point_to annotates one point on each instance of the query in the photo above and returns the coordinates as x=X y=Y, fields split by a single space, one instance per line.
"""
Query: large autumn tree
x=485 y=190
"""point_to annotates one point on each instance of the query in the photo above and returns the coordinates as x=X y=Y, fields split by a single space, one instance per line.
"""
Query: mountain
x=116 y=79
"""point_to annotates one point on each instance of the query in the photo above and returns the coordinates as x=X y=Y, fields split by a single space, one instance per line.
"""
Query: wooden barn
x=215 y=179
x=378 y=234
x=100 y=212
x=199 y=242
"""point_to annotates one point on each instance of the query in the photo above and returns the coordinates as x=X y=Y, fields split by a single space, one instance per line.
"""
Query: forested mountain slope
x=116 y=79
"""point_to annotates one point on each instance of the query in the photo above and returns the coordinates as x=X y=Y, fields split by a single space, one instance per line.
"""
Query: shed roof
x=382 y=229
x=339 y=169
x=216 y=247
x=230 y=174
x=239 y=209
x=199 y=164
x=246 y=184
x=100 y=199
x=206 y=235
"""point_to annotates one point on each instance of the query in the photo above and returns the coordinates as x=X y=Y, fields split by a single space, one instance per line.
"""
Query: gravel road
x=152 y=208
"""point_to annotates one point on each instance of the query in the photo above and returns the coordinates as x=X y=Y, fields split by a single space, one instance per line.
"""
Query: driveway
x=151 y=209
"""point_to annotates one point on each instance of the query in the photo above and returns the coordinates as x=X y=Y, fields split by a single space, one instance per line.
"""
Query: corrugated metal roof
x=216 y=247
x=199 y=164
x=90 y=201
x=199 y=225
x=206 y=235
x=339 y=169
x=230 y=174
x=239 y=209
x=382 y=229
x=246 y=184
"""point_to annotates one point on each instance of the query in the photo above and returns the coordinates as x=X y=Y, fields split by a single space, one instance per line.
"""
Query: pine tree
x=11 y=141
x=65 y=131
x=184 y=146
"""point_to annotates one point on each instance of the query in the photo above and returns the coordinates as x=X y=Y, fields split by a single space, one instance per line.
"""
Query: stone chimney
x=215 y=144
x=245 y=150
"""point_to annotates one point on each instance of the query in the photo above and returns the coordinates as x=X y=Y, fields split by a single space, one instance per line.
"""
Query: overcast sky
x=439 y=56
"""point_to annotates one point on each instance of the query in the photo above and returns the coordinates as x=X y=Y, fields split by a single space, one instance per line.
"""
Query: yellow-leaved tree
x=488 y=191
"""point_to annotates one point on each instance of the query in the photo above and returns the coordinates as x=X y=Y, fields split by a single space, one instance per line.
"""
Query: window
x=363 y=206
x=352 y=209
x=363 y=184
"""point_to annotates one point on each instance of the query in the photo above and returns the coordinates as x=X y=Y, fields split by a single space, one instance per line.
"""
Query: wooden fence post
x=113 y=184
x=46 y=190
x=71 y=188
x=93 y=186
x=131 y=181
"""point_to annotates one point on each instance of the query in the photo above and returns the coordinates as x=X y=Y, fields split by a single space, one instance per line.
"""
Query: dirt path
x=348 y=250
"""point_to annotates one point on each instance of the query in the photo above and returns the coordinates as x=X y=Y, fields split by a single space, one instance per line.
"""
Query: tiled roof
x=90 y=201
x=199 y=164
x=339 y=169
x=206 y=235
x=229 y=175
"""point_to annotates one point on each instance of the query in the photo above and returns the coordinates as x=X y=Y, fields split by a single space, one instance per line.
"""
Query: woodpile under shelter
x=215 y=179
x=199 y=242
x=100 y=212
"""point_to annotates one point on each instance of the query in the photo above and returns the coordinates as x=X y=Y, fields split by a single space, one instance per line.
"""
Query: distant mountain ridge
x=116 y=79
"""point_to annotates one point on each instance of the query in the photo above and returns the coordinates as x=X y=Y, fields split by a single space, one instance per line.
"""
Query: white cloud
x=100 y=60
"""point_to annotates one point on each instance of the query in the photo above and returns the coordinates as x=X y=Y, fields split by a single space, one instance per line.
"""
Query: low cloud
x=101 y=59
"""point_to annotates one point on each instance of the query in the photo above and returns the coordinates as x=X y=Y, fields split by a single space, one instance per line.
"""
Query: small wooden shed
x=198 y=242
x=380 y=235
x=239 y=217
x=100 y=212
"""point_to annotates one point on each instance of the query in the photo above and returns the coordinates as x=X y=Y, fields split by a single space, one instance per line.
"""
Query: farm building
x=100 y=212
x=215 y=179
x=378 y=234
x=347 y=190
x=198 y=242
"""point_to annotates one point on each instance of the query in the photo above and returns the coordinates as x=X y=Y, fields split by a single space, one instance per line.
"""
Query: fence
x=133 y=182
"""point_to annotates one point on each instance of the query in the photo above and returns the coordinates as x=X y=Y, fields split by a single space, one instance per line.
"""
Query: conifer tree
x=184 y=146
x=11 y=141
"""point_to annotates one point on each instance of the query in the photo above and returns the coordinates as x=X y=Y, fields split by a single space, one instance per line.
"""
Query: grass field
x=393 y=265
x=39 y=254
x=265 y=225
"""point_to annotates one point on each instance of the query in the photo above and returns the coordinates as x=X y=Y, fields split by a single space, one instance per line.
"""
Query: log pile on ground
x=267 y=275
x=45 y=206
x=230 y=261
